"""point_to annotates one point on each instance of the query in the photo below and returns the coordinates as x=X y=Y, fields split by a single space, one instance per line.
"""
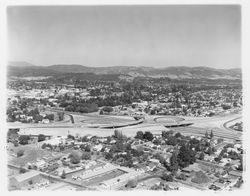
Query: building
x=26 y=179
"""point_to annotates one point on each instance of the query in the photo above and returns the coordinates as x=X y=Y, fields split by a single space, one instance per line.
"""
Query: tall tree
x=174 y=166
x=211 y=134
x=186 y=156
x=206 y=135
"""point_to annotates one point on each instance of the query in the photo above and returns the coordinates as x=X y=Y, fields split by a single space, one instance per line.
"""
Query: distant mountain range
x=24 y=69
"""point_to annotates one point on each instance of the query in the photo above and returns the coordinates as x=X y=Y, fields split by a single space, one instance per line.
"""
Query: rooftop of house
x=26 y=176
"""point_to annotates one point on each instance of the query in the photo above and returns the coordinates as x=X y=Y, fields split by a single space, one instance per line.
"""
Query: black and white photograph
x=133 y=97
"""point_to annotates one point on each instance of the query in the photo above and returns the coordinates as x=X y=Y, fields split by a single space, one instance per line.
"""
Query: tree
x=107 y=109
x=185 y=157
x=86 y=156
x=101 y=112
x=217 y=159
x=108 y=155
x=206 y=135
x=71 y=137
x=174 y=166
x=137 y=153
x=22 y=170
x=87 y=148
x=60 y=116
x=63 y=176
x=44 y=146
x=75 y=157
x=148 y=136
x=118 y=146
x=50 y=117
x=166 y=134
x=182 y=177
x=226 y=107
x=118 y=135
x=172 y=141
x=20 y=153
x=211 y=134
x=167 y=177
x=12 y=134
x=156 y=141
x=139 y=135
x=178 y=135
x=131 y=184
x=41 y=138
x=240 y=167
x=85 y=139
x=201 y=156
x=109 y=139
x=24 y=139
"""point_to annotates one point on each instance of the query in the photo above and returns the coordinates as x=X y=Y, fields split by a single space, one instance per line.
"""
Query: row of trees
x=144 y=136
x=80 y=107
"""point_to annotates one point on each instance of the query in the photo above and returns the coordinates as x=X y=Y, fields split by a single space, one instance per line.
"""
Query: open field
x=108 y=119
x=168 y=119
x=31 y=154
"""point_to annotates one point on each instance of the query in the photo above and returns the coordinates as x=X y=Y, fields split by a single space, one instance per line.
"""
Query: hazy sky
x=160 y=36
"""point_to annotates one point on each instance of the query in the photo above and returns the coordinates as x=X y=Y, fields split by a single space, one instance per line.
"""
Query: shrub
x=41 y=137
x=148 y=136
x=167 y=177
x=107 y=109
x=182 y=177
x=75 y=157
x=20 y=153
x=22 y=170
x=86 y=156
x=131 y=184
x=24 y=139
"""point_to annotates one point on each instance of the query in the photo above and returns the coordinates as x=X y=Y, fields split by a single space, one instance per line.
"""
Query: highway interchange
x=77 y=124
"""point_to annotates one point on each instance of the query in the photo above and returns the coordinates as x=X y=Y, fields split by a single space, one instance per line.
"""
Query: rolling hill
x=23 y=69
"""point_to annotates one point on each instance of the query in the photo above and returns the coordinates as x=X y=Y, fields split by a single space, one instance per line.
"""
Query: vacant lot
x=31 y=154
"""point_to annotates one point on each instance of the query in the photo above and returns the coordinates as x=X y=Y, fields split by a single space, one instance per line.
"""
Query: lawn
x=108 y=120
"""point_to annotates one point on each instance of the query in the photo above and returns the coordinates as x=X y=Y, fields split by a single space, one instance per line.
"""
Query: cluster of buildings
x=101 y=173
x=202 y=103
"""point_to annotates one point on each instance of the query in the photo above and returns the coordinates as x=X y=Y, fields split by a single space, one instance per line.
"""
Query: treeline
x=80 y=107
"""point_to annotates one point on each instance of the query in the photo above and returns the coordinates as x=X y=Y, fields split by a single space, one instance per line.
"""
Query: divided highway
x=77 y=124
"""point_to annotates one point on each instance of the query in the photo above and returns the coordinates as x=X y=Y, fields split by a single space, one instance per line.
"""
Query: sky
x=153 y=35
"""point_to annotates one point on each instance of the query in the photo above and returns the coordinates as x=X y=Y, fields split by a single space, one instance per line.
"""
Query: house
x=156 y=161
x=151 y=166
x=235 y=173
x=45 y=121
x=41 y=164
x=29 y=118
x=98 y=147
x=224 y=161
x=187 y=171
x=219 y=186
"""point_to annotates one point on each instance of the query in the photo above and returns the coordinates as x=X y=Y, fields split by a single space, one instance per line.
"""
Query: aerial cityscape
x=145 y=124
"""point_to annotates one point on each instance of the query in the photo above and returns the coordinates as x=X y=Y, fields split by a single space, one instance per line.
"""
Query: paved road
x=227 y=124
x=200 y=126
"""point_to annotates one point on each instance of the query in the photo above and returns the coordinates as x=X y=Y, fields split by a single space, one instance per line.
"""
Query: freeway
x=227 y=124
x=79 y=124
